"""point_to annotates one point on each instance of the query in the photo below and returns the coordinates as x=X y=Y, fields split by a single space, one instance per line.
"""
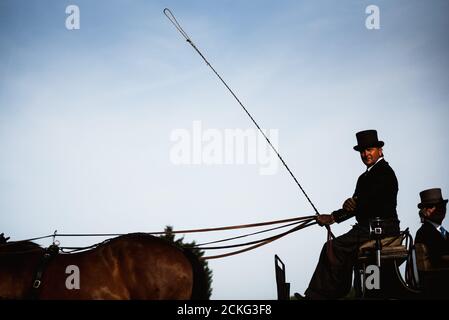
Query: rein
x=298 y=223
x=259 y=243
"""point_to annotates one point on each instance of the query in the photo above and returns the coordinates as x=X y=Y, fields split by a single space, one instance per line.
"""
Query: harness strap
x=49 y=253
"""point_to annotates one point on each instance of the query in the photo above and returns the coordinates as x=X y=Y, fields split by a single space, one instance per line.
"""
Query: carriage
x=387 y=268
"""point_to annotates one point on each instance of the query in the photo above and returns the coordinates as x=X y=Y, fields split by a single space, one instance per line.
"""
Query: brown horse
x=133 y=266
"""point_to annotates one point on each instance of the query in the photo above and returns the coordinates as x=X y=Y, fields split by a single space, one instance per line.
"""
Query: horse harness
x=49 y=253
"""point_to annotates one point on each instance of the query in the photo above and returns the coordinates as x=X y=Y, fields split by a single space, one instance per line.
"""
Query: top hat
x=367 y=139
x=431 y=197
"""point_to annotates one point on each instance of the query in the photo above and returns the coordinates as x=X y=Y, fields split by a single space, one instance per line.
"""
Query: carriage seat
x=392 y=248
x=392 y=254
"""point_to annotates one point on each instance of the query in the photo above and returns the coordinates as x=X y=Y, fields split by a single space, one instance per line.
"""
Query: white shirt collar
x=368 y=169
x=436 y=225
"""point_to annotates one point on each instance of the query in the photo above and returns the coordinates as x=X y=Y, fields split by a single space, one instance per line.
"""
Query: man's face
x=436 y=213
x=370 y=155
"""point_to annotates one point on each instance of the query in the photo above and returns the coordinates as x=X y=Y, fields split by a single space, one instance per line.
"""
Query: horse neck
x=16 y=273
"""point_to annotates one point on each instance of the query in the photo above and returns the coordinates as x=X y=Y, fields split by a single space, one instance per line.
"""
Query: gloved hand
x=325 y=219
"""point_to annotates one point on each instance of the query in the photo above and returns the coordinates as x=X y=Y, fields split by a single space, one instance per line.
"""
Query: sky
x=118 y=126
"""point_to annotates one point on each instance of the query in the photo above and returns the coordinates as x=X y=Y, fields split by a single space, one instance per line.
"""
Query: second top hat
x=431 y=197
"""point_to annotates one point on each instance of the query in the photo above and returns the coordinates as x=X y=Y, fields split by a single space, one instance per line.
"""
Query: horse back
x=134 y=266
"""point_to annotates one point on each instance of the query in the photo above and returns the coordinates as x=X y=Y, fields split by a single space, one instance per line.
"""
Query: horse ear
x=2 y=238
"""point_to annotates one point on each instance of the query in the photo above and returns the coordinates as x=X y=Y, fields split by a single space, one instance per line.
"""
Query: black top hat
x=367 y=139
x=431 y=197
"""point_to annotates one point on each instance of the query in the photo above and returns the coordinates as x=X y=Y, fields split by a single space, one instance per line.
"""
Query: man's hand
x=350 y=204
x=325 y=219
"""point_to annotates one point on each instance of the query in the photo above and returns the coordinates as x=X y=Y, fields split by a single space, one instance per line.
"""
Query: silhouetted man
x=375 y=196
x=436 y=239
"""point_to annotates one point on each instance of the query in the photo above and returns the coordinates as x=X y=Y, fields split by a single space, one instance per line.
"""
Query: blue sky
x=86 y=117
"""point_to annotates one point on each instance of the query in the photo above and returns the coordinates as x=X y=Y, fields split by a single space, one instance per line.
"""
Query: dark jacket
x=376 y=193
x=436 y=245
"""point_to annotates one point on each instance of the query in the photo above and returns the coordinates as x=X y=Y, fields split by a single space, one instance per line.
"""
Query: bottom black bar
x=214 y=309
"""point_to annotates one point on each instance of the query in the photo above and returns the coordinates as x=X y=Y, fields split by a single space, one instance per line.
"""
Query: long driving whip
x=173 y=20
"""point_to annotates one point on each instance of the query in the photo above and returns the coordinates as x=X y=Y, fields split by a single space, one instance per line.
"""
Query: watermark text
x=200 y=146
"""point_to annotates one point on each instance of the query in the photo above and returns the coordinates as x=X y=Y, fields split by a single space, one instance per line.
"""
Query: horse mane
x=200 y=290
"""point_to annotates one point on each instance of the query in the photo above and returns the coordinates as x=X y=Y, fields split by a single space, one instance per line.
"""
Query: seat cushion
x=395 y=241
x=392 y=248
